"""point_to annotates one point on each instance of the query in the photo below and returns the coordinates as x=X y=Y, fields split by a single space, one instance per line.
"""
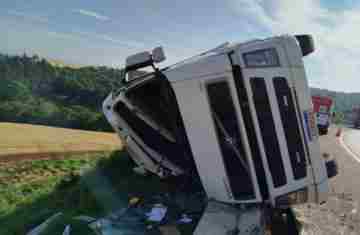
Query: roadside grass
x=18 y=139
x=30 y=192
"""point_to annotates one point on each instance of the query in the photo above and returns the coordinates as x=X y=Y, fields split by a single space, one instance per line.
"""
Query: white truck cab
x=238 y=116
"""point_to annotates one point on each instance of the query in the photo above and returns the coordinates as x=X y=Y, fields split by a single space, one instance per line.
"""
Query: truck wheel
x=283 y=221
x=331 y=168
x=323 y=131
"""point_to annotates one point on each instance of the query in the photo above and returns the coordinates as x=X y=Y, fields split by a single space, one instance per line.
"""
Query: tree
x=11 y=89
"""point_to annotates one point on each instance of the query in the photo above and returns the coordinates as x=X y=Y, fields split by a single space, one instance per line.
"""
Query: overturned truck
x=238 y=116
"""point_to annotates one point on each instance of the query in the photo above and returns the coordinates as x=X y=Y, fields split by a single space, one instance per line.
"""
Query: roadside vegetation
x=93 y=185
x=35 y=91
x=33 y=190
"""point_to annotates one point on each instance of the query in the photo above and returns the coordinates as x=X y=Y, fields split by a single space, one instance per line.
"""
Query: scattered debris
x=40 y=228
x=118 y=214
x=185 y=219
x=337 y=216
x=140 y=170
x=223 y=219
x=157 y=213
x=134 y=200
x=85 y=218
x=169 y=230
x=67 y=230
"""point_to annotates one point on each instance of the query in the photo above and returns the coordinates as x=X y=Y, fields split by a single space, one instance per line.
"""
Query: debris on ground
x=339 y=215
x=161 y=214
x=40 y=228
x=67 y=230
x=169 y=230
x=85 y=218
x=185 y=219
x=140 y=170
x=157 y=213
x=223 y=219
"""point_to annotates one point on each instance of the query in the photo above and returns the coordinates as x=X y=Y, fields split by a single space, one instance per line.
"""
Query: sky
x=88 y=32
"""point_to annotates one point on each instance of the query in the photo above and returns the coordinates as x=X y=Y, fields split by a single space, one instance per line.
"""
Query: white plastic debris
x=140 y=170
x=85 y=218
x=185 y=219
x=104 y=226
x=100 y=225
x=40 y=228
x=67 y=230
x=157 y=213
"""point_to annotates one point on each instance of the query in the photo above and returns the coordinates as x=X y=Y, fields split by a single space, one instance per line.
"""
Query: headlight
x=262 y=58
x=297 y=197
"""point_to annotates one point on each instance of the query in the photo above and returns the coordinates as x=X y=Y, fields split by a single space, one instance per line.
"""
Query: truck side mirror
x=306 y=43
x=158 y=55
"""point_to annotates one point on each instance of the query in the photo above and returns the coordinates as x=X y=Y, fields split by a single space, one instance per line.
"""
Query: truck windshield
x=150 y=99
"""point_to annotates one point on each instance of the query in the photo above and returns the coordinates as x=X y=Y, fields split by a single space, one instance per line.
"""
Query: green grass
x=51 y=186
x=32 y=191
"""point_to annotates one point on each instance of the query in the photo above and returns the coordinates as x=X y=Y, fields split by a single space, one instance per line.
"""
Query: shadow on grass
x=98 y=191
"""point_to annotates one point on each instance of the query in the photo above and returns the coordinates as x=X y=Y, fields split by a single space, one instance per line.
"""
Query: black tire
x=283 y=221
x=323 y=130
x=331 y=168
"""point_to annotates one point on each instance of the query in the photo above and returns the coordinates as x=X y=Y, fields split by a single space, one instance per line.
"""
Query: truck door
x=266 y=80
x=215 y=129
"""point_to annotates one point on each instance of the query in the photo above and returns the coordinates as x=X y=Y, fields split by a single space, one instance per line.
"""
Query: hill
x=37 y=91
x=62 y=64
x=34 y=90
x=343 y=101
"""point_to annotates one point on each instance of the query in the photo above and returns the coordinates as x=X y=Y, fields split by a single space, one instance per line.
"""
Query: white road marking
x=350 y=152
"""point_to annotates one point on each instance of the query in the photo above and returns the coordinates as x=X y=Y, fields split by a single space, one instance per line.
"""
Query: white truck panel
x=202 y=139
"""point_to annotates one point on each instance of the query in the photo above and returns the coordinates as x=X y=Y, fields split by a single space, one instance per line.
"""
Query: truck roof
x=209 y=54
x=221 y=49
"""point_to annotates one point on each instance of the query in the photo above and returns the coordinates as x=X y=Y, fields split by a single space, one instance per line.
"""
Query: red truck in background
x=356 y=116
x=323 y=108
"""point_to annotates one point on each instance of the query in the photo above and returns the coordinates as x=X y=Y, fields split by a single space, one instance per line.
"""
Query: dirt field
x=23 y=141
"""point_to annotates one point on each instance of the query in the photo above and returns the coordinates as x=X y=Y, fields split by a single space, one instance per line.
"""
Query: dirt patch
x=45 y=156
x=338 y=216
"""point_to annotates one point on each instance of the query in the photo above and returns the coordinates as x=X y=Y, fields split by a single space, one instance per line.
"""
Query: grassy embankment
x=75 y=184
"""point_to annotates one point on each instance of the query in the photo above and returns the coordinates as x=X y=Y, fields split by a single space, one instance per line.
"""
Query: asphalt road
x=346 y=150
x=351 y=142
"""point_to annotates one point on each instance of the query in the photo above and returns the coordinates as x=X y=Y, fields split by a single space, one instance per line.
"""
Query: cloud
x=63 y=35
x=94 y=14
x=335 y=64
x=132 y=44
x=28 y=16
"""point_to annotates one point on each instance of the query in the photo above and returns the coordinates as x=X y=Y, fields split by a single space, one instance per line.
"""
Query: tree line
x=32 y=90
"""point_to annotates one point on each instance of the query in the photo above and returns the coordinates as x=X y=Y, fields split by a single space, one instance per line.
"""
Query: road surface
x=351 y=141
x=340 y=215
x=346 y=150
